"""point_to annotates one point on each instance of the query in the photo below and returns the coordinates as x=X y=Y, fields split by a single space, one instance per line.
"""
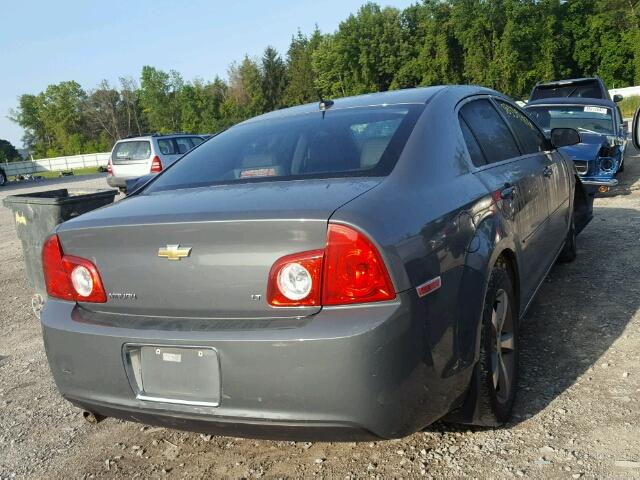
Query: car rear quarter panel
x=432 y=217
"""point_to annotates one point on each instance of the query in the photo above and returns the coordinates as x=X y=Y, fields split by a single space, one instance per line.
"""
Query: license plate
x=184 y=375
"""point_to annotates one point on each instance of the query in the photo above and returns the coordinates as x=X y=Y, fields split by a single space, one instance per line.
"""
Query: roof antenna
x=324 y=104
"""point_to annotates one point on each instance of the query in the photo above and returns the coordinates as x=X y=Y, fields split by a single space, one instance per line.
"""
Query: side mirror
x=563 y=137
x=635 y=129
x=617 y=98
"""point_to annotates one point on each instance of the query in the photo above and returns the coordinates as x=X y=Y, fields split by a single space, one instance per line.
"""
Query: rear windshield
x=131 y=150
x=336 y=143
x=587 y=89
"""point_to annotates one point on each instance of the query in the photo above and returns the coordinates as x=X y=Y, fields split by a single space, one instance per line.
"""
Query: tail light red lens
x=295 y=280
x=109 y=169
x=349 y=270
x=68 y=277
x=354 y=271
x=156 y=165
x=56 y=279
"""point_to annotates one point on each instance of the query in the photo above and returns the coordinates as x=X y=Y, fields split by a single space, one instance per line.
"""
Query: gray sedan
x=353 y=269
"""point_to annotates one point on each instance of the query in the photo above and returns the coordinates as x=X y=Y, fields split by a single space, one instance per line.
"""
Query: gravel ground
x=576 y=415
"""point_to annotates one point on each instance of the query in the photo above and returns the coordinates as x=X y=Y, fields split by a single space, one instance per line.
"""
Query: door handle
x=547 y=172
x=508 y=192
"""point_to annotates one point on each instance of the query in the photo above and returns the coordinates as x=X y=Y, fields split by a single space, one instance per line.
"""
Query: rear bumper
x=346 y=373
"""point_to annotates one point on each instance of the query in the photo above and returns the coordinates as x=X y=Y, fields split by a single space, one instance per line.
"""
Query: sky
x=44 y=42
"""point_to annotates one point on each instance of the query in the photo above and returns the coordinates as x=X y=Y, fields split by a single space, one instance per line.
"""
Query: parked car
x=351 y=270
x=635 y=130
x=592 y=87
x=3 y=177
x=134 y=157
x=600 y=154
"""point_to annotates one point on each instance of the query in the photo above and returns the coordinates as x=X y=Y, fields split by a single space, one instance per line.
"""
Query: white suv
x=135 y=157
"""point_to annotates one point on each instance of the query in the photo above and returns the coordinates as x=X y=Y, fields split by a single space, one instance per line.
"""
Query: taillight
x=68 y=277
x=349 y=270
x=354 y=271
x=109 y=169
x=295 y=280
x=156 y=165
x=56 y=279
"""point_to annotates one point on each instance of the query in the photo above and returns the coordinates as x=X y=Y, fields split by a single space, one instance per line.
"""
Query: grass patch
x=629 y=105
x=76 y=171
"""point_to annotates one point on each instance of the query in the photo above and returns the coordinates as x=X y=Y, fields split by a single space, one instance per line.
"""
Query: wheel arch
x=500 y=251
x=492 y=241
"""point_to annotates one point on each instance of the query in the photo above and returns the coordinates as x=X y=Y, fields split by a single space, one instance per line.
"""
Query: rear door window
x=130 y=151
x=531 y=140
x=490 y=130
x=196 y=141
x=184 y=144
x=167 y=146
x=364 y=141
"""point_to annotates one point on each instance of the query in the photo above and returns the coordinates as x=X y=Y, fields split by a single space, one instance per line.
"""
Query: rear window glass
x=336 y=143
x=588 y=89
x=132 y=150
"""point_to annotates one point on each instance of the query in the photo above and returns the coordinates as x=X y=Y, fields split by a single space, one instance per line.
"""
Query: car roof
x=420 y=95
x=159 y=135
x=572 y=101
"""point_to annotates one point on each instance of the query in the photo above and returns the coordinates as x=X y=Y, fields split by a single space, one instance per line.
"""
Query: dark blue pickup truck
x=592 y=87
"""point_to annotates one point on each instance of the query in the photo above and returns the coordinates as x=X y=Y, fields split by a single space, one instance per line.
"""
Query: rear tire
x=570 y=249
x=498 y=364
x=3 y=178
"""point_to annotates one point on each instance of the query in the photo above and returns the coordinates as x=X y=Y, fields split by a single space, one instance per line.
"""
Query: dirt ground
x=577 y=413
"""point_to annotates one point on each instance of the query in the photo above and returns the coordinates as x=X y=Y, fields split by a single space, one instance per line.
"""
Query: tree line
x=504 y=44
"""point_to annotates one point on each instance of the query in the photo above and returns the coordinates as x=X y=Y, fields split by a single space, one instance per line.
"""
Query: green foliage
x=159 y=97
x=503 y=44
x=363 y=55
x=8 y=152
x=274 y=77
x=629 y=105
x=300 y=85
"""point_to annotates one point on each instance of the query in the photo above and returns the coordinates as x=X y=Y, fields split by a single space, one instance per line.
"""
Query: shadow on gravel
x=584 y=306
x=11 y=187
x=581 y=309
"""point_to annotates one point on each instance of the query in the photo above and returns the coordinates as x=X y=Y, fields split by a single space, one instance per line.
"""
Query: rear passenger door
x=515 y=176
x=555 y=173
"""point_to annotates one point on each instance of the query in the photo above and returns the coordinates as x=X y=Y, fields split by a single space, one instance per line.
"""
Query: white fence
x=56 y=164
x=625 y=92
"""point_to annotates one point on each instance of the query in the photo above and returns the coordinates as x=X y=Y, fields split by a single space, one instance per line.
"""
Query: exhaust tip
x=92 y=417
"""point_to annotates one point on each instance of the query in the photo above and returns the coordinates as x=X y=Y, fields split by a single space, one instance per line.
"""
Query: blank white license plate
x=186 y=375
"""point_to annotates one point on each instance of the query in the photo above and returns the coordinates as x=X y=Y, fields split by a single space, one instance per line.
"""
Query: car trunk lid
x=229 y=237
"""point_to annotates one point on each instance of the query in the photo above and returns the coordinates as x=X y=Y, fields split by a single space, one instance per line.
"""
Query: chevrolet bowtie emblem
x=174 y=252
